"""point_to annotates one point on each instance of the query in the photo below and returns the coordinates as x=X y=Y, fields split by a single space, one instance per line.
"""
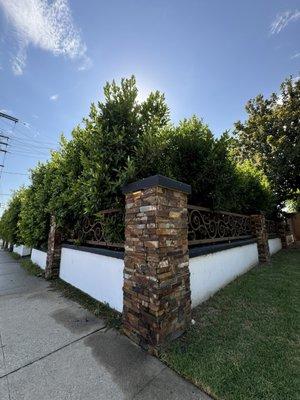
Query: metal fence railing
x=105 y=228
x=207 y=226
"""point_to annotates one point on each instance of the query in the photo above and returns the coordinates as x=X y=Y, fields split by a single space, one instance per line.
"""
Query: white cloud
x=54 y=97
x=282 y=20
x=296 y=55
x=45 y=25
x=86 y=63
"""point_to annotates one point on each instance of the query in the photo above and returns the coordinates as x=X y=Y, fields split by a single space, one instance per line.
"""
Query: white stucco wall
x=274 y=245
x=211 y=272
x=39 y=257
x=22 y=250
x=97 y=275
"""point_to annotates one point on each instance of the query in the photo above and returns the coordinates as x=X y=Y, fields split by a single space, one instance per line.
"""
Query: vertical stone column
x=157 y=298
x=259 y=230
x=282 y=232
x=54 y=250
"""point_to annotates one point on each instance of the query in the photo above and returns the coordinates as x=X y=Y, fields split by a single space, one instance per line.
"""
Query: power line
x=14 y=173
x=10 y=117
x=26 y=155
x=5 y=137
x=26 y=135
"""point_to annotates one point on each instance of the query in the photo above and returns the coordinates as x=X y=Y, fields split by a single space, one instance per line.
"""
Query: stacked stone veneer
x=54 y=251
x=282 y=232
x=157 y=298
x=259 y=230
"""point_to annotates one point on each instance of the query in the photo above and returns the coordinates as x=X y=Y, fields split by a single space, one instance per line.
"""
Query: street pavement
x=51 y=348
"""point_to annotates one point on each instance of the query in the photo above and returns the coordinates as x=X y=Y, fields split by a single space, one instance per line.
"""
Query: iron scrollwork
x=271 y=226
x=105 y=228
x=207 y=226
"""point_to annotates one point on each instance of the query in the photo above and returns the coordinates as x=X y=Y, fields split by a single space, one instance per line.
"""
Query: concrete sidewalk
x=52 y=348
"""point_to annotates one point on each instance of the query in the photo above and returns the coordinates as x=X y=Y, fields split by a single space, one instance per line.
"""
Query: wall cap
x=214 y=248
x=157 y=180
x=96 y=250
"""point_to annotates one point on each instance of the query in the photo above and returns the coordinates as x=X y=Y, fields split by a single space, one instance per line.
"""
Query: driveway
x=53 y=349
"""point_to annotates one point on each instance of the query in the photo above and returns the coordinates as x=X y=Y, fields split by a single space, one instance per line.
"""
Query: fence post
x=54 y=250
x=259 y=230
x=157 y=298
x=282 y=233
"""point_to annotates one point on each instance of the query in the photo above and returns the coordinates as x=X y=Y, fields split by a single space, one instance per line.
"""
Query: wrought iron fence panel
x=271 y=226
x=106 y=228
x=207 y=226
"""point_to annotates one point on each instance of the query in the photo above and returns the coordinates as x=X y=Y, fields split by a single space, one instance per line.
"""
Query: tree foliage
x=34 y=217
x=9 y=223
x=270 y=138
x=123 y=140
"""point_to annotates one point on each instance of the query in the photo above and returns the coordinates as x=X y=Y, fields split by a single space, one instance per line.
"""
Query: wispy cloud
x=54 y=97
x=296 y=55
x=85 y=64
x=45 y=25
x=5 y=111
x=282 y=20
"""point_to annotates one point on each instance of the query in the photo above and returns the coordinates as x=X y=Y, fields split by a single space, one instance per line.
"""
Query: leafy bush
x=91 y=168
x=9 y=228
x=253 y=190
x=34 y=218
x=270 y=138
x=121 y=141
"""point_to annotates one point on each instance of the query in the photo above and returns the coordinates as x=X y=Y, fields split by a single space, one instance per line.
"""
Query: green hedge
x=121 y=141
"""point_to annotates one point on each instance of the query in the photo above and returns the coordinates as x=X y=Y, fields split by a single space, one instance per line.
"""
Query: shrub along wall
x=121 y=141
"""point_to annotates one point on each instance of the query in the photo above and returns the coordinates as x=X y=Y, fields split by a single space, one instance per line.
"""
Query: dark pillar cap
x=157 y=180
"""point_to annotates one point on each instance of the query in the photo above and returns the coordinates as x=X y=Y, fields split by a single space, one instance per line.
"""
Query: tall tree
x=91 y=168
x=270 y=138
x=9 y=224
x=34 y=218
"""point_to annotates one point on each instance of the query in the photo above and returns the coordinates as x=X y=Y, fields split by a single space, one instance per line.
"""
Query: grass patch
x=101 y=310
x=31 y=268
x=245 y=342
x=15 y=256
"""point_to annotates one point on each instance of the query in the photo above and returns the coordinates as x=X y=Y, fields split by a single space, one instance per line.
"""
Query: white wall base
x=99 y=276
x=22 y=250
x=211 y=272
x=274 y=245
x=39 y=257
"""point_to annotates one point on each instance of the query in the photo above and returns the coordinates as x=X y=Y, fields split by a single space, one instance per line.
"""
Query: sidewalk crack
x=52 y=352
x=4 y=362
x=148 y=383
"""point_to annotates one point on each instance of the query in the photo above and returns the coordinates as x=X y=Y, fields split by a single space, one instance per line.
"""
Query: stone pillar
x=54 y=251
x=282 y=232
x=157 y=297
x=259 y=230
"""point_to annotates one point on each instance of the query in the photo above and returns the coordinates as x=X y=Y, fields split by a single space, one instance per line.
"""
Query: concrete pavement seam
x=149 y=382
x=21 y=294
x=53 y=352
x=4 y=362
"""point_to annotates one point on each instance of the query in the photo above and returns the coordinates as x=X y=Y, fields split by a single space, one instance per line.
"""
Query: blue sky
x=208 y=57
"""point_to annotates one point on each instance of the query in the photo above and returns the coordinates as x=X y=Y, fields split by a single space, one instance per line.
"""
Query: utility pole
x=5 y=138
